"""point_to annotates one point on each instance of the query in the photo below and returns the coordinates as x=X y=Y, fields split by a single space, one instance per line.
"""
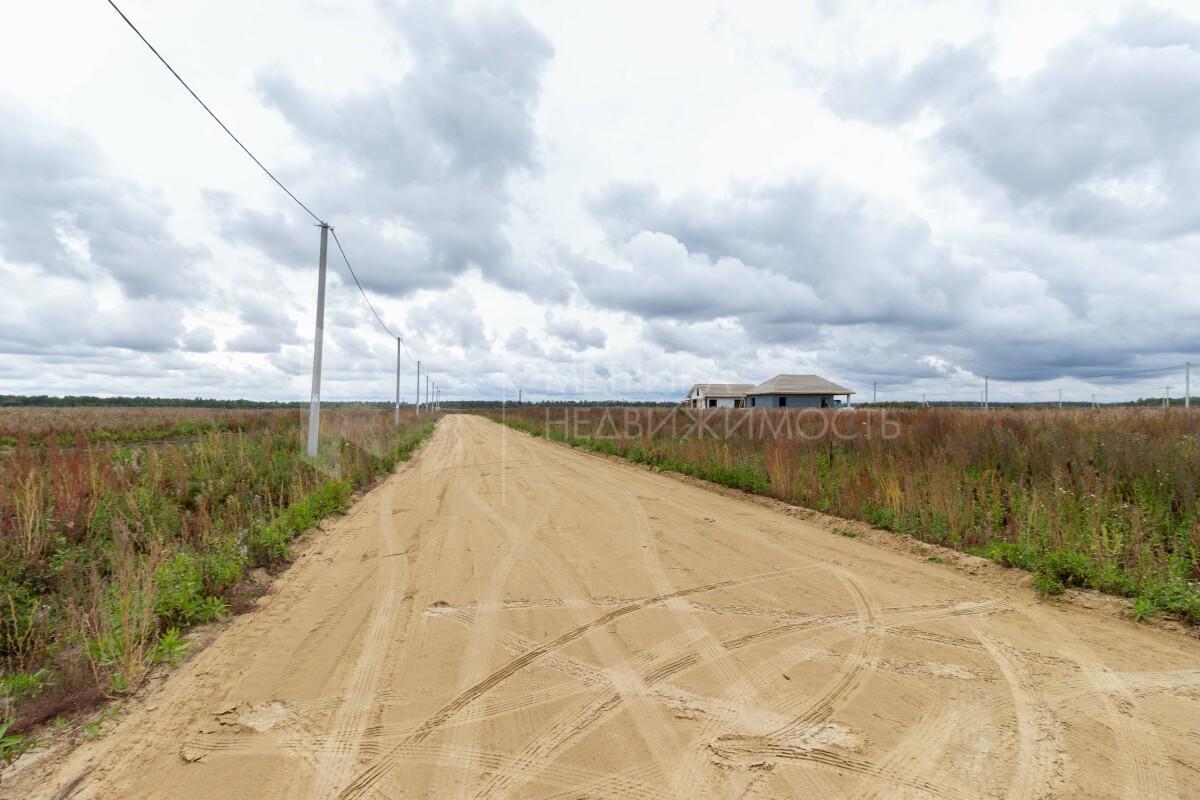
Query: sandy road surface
x=509 y=618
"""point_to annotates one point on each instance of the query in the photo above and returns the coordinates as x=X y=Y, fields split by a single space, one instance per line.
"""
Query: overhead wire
x=212 y=114
x=362 y=291
x=266 y=171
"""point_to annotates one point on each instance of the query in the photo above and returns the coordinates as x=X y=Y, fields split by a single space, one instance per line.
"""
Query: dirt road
x=507 y=617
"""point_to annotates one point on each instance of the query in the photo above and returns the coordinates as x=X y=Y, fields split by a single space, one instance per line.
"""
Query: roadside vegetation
x=115 y=539
x=1102 y=499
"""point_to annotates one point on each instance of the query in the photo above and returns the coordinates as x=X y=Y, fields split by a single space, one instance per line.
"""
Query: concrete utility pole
x=1187 y=385
x=1060 y=398
x=874 y=392
x=1166 y=396
x=519 y=395
x=985 y=392
x=417 y=401
x=314 y=405
x=398 y=381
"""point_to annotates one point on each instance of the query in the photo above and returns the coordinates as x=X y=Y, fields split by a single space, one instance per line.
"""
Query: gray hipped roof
x=798 y=384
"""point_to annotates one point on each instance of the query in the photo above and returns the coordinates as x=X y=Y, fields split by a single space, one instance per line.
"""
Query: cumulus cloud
x=451 y=320
x=1103 y=139
x=574 y=333
x=884 y=93
x=781 y=257
x=67 y=316
x=813 y=267
x=63 y=210
x=416 y=172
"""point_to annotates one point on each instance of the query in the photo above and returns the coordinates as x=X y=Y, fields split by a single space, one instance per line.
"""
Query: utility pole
x=923 y=403
x=1166 y=396
x=1060 y=398
x=314 y=405
x=985 y=392
x=1187 y=385
x=874 y=392
x=397 y=381
x=519 y=395
x=417 y=396
x=1094 y=400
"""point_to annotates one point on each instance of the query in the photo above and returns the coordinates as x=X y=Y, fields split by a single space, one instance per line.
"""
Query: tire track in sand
x=370 y=777
x=337 y=757
x=1039 y=757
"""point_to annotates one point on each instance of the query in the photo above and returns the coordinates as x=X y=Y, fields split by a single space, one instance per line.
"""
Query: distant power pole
x=1187 y=385
x=417 y=396
x=985 y=392
x=397 y=380
x=1166 y=396
x=519 y=390
x=314 y=405
x=1060 y=398
x=874 y=391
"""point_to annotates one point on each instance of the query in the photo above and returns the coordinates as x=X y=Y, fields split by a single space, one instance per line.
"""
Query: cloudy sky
x=608 y=199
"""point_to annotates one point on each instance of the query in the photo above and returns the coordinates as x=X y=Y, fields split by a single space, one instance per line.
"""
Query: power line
x=204 y=105
x=268 y=172
x=1128 y=372
x=382 y=324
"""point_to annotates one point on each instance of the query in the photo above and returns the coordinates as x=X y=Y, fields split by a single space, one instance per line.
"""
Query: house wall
x=792 y=400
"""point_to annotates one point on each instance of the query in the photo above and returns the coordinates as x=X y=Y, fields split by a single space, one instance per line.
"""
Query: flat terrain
x=506 y=617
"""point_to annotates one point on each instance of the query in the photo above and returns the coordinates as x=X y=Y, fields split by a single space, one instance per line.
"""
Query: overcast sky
x=609 y=199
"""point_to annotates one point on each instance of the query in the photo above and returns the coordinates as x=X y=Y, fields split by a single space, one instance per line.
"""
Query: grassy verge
x=108 y=553
x=1105 y=500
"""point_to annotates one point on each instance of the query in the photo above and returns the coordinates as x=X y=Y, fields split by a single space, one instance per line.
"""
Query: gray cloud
x=881 y=92
x=1102 y=140
x=68 y=320
x=781 y=257
x=61 y=209
x=198 y=340
x=574 y=333
x=428 y=158
x=452 y=320
x=814 y=267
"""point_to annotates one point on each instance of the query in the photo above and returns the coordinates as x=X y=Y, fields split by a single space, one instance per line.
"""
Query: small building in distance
x=718 y=395
x=782 y=391
x=797 y=391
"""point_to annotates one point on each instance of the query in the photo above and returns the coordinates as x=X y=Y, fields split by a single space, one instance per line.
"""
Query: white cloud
x=875 y=193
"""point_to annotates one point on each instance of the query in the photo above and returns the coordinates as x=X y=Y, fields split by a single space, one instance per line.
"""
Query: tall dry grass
x=106 y=548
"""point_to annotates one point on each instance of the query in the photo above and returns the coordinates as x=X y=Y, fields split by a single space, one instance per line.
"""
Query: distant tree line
x=11 y=400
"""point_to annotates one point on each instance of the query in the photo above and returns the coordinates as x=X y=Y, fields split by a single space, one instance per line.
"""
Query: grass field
x=119 y=528
x=1102 y=499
